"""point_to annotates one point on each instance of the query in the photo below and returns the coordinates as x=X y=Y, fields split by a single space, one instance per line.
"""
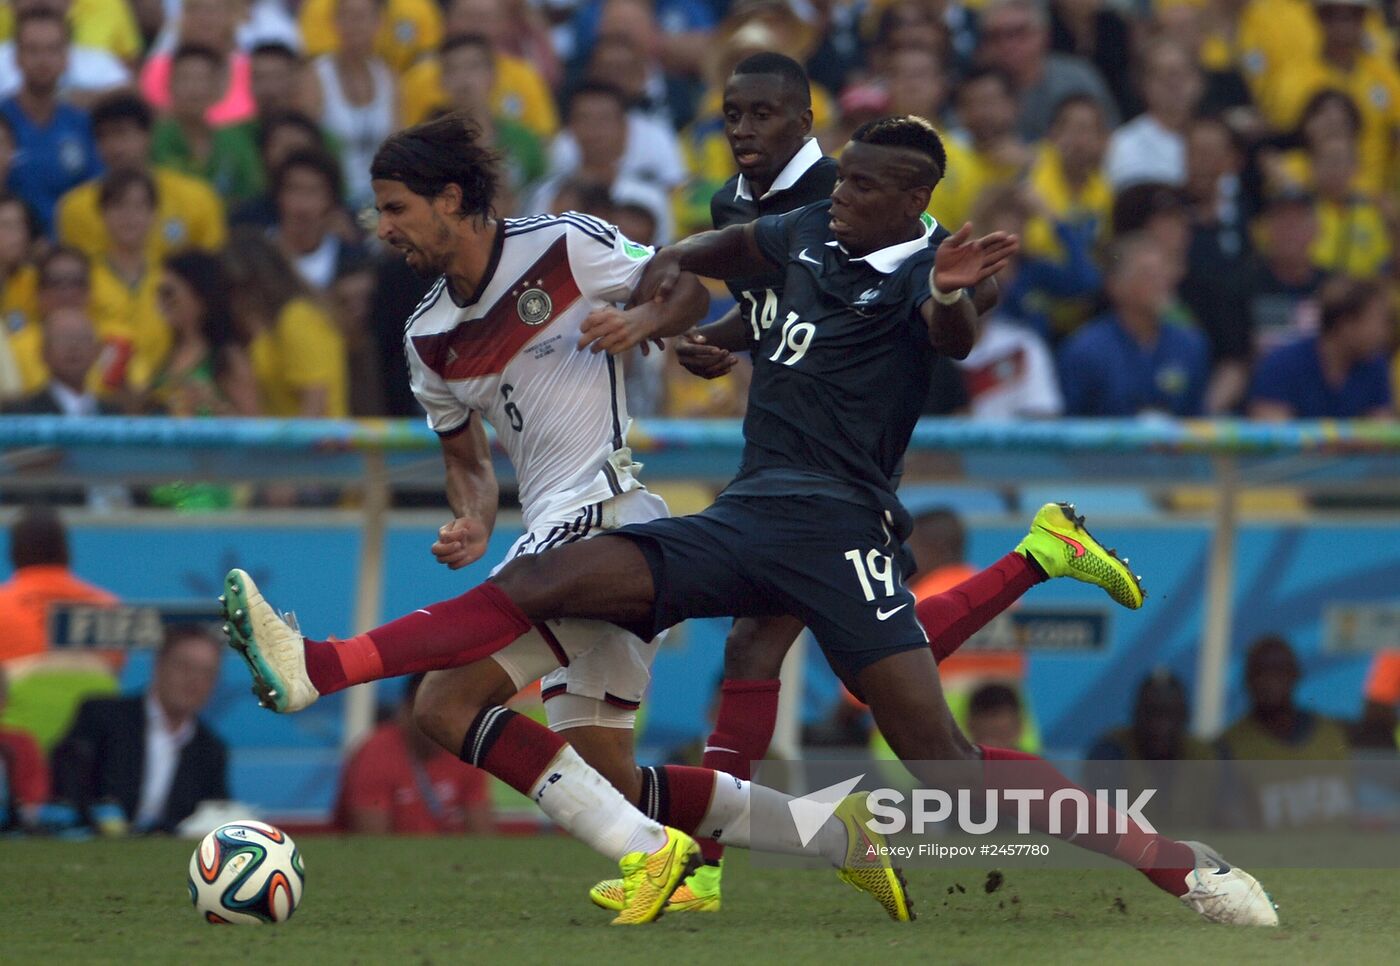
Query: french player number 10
x=873 y=566
x=796 y=338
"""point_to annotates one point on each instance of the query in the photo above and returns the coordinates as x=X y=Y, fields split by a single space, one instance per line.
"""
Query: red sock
x=443 y=635
x=677 y=795
x=748 y=713
x=953 y=616
x=1164 y=861
x=510 y=746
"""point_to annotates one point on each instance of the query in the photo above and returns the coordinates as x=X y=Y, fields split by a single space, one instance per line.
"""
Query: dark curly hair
x=428 y=157
x=206 y=276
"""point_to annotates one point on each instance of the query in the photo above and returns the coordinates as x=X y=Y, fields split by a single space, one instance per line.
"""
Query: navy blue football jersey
x=841 y=370
x=758 y=294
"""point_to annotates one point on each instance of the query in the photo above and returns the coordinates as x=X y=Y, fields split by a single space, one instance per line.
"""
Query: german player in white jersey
x=512 y=333
x=509 y=352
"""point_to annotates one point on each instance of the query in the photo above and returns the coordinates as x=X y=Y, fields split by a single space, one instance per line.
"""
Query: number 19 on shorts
x=873 y=567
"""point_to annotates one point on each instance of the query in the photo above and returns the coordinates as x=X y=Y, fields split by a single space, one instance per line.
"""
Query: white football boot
x=1222 y=893
x=271 y=644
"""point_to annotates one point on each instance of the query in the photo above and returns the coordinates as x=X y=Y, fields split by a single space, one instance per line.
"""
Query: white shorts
x=594 y=672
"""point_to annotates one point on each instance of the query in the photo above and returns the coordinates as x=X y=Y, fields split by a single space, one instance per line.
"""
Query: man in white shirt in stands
x=1152 y=146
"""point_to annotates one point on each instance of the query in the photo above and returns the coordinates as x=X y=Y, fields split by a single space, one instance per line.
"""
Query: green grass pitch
x=523 y=900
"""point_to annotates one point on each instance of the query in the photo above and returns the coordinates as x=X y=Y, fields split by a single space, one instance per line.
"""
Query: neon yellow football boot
x=1063 y=547
x=867 y=866
x=649 y=878
x=698 y=893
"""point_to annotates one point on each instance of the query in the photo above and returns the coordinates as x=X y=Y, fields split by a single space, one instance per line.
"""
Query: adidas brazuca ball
x=246 y=872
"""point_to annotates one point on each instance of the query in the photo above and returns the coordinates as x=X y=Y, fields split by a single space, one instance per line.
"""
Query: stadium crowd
x=1206 y=189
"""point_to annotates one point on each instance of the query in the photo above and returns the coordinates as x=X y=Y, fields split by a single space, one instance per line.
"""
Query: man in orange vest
x=39 y=554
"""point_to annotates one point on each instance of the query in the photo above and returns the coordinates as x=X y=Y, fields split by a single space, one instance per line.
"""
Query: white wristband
x=940 y=296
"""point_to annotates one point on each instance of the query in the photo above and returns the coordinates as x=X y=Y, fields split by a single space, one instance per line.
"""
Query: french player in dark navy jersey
x=810 y=527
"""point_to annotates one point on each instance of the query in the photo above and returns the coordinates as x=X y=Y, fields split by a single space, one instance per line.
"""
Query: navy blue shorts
x=831 y=564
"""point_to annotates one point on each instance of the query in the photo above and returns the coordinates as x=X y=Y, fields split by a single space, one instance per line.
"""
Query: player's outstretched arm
x=615 y=330
x=961 y=263
x=472 y=493
x=725 y=253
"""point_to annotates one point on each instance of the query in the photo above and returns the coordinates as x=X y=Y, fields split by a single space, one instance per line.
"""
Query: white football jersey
x=511 y=354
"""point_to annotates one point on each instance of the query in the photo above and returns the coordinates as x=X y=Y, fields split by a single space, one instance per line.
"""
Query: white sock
x=586 y=805
x=737 y=805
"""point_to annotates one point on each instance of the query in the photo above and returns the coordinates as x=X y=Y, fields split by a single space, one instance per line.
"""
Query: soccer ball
x=246 y=872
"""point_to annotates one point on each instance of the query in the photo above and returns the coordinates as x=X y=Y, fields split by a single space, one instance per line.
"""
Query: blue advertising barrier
x=349 y=570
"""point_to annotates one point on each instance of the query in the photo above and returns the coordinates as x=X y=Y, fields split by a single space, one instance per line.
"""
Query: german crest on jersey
x=534 y=306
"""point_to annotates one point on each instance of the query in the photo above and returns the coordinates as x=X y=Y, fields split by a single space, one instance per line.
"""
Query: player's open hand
x=998 y=248
x=461 y=542
x=699 y=358
x=962 y=261
x=615 y=330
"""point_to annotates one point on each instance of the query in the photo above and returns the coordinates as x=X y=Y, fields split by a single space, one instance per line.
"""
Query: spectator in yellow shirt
x=1275 y=37
x=1343 y=63
x=124 y=280
x=298 y=354
x=1068 y=182
x=1353 y=238
x=188 y=212
x=19 y=299
x=1329 y=114
x=408 y=30
x=986 y=107
x=519 y=94
x=918 y=84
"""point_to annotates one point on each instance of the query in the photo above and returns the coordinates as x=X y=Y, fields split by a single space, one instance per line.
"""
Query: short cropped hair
x=907 y=131
x=987 y=72
x=121 y=106
x=794 y=78
x=990 y=698
x=1077 y=99
x=1138 y=204
x=115 y=184
x=38 y=537
x=42 y=16
x=178 y=633
x=428 y=157
x=286 y=119
x=197 y=52
x=479 y=42
x=319 y=160
x=600 y=88
x=58 y=253
x=274 y=48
